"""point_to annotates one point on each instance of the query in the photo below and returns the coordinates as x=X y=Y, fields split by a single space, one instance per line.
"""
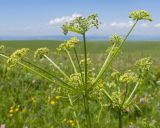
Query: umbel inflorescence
x=84 y=84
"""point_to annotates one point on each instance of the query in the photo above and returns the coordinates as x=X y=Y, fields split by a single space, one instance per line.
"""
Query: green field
x=131 y=50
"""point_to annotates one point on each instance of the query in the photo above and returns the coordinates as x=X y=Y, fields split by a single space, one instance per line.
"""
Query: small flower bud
x=116 y=39
x=40 y=52
x=68 y=45
x=72 y=42
x=144 y=63
x=17 y=56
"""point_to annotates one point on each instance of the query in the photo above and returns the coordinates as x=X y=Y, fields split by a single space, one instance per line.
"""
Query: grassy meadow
x=29 y=101
x=131 y=50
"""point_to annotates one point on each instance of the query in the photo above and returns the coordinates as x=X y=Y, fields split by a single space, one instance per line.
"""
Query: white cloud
x=145 y=25
x=121 y=24
x=62 y=20
x=157 y=25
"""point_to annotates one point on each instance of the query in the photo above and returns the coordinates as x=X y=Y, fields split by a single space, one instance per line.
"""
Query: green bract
x=17 y=56
x=140 y=15
x=81 y=25
x=40 y=52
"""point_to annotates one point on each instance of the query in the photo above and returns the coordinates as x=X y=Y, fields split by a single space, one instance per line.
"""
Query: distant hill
x=99 y=38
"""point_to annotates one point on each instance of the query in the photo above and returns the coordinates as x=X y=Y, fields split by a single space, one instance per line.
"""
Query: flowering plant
x=83 y=83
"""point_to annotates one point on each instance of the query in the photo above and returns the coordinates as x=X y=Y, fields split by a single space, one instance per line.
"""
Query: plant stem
x=107 y=94
x=110 y=59
x=87 y=112
x=105 y=64
x=57 y=67
x=44 y=71
x=80 y=70
x=100 y=113
x=132 y=93
x=38 y=73
x=85 y=58
x=34 y=71
x=74 y=67
x=120 y=118
x=74 y=112
x=86 y=100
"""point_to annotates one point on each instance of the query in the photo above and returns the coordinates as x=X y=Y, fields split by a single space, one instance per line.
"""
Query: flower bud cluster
x=71 y=123
x=75 y=77
x=116 y=39
x=81 y=25
x=140 y=15
x=40 y=52
x=116 y=99
x=128 y=77
x=97 y=92
x=13 y=110
x=53 y=100
x=68 y=45
x=144 y=64
x=17 y=56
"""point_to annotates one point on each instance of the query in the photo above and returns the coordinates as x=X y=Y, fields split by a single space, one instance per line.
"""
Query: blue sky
x=45 y=17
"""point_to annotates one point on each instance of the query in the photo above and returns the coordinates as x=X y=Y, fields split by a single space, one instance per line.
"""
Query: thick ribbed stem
x=86 y=102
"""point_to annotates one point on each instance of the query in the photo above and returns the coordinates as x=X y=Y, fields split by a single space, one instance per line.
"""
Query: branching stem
x=57 y=67
x=38 y=73
x=132 y=93
x=112 y=56
x=71 y=60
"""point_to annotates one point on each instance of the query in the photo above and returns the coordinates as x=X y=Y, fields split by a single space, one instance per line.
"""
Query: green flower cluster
x=116 y=100
x=144 y=64
x=40 y=52
x=116 y=39
x=81 y=25
x=68 y=44
x=17 y=56
x=128 y=77
x=140 y=15
x=75 y=77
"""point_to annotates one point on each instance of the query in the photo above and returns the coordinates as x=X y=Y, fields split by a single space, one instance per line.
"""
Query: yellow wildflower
x=17 y=108
x=52 y=102
x=33 y=99
x=57 y=97
x=11 y=111
x=11 y=107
